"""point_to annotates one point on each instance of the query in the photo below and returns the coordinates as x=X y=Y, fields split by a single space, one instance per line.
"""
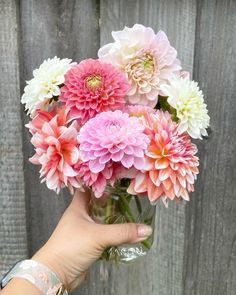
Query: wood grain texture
x=50 y=28
x=13 y=245
x=161 y=272
x=210 y=265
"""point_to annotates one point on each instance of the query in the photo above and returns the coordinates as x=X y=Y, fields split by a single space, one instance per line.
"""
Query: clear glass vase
x=117 y=206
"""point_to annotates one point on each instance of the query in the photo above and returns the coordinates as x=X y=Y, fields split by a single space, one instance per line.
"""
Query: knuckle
x=129 y=231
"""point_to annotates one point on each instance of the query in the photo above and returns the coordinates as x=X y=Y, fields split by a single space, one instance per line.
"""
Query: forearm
x=18 y=286
x=36 y=276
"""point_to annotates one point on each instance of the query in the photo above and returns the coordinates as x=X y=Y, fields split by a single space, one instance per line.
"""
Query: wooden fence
x=195 y=245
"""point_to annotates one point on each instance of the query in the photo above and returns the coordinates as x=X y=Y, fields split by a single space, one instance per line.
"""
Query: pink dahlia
x=38 y=120
x=56 y=149
x=147 y=59
x=98 y=181
x=113 y=140
x=171 y=161
x=92 y=87
x=42 y=116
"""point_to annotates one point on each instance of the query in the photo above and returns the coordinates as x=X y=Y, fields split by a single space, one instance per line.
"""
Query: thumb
x=117 y=234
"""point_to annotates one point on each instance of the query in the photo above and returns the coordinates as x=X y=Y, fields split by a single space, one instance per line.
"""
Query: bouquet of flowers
x=120 y=125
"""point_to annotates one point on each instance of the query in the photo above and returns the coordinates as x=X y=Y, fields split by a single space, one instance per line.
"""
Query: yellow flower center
x=93 y=81
x=148 y=64
x=141 y=68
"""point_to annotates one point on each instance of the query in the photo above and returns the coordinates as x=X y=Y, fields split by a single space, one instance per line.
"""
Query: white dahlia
x=45 y=84
x=147 y=59
x=187 y=99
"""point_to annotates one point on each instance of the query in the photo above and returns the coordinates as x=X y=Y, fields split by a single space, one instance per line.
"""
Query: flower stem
x=129 y=216
x=128 y=212
x=138 y=204
x=109 y=211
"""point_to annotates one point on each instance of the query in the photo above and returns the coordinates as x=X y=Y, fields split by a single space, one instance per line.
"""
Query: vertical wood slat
x=50 y=28
x=161 y=272
x=13 y=244
x=210 y=265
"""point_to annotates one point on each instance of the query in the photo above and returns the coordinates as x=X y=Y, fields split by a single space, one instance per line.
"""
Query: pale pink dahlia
x=147 y=59
x=172 y=164
x=113 y=140
x=139 y=110
x=92 y=87
x=185 y=75
x=56 y=149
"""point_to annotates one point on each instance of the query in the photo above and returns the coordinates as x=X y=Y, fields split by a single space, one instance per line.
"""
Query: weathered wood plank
x=13 y=244
x=210 y=266
x=162 y=271
x=66 y=29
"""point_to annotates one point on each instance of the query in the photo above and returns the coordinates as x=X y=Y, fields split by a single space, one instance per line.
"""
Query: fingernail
x=144 y=231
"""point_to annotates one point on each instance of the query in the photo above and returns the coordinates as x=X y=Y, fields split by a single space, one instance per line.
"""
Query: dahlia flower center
x=141 y=68
x=93 y=81
x=49 y=85
x=112 y=127
x=184 y=107
x=148 y=65
x=161 y=152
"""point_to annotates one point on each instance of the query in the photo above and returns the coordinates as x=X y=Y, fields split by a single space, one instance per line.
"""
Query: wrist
x=19 y=286
x=36 y=273
x=52 y=260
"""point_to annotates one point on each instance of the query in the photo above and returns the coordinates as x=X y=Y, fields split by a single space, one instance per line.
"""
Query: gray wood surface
x=13 y=244
x=194 y=251
x=210 y=260
x=50 y=28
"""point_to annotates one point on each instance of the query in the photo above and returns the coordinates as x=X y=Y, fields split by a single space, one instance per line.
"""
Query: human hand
x=78 y=241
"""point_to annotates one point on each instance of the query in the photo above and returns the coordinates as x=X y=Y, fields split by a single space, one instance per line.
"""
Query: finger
x=81 y=200
x=117 y=234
